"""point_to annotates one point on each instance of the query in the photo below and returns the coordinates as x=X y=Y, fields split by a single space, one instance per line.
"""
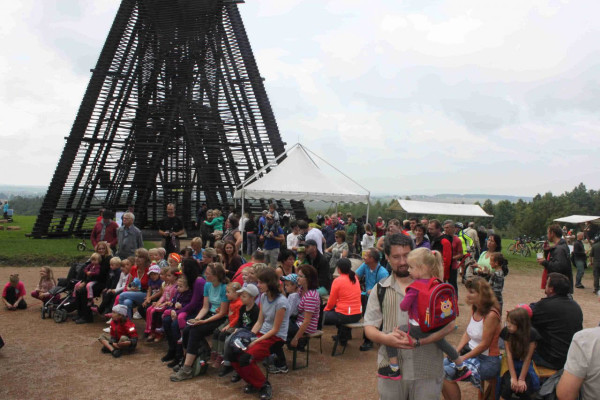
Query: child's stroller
x=59 y=307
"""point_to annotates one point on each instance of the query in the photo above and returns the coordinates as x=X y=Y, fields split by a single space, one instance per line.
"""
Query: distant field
x=17 y=249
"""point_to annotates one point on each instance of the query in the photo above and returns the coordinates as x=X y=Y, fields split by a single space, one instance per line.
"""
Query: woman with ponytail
x=344 y=305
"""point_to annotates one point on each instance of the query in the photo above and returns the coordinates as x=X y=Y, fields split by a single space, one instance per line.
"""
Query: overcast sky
x=406 y=97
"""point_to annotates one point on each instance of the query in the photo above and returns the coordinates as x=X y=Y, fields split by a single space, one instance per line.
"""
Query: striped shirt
x=310 y=302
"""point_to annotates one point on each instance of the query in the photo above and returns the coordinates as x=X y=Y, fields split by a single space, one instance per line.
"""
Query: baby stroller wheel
x=60 y=316
x=43 y=312
x=81 y=247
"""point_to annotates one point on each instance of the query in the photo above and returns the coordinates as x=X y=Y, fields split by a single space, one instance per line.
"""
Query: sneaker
x=200 y=367
x=105 y=350
x=107 y=329
x=266 y=392
x=580 y=286
x=109 y=321
x=137 y=315
x=278 y=370
x=184 y=373
x=116 y=353
x=366 y=346
x=387 y=373
x=157 y=338
x=225 y=370
x=249 y=389
x=159 y=331
x=462 y=374
x=235 y=378
x=168 y=357
x=174 y=362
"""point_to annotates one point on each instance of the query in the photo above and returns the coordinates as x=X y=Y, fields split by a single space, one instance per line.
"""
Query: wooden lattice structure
x=175 y=111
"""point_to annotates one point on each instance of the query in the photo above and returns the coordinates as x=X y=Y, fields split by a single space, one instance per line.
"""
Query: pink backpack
x=436 y=302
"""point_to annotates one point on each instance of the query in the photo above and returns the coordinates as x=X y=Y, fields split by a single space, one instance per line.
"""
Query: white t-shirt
x=583 y=361
x=292 y=241
x=316 y=235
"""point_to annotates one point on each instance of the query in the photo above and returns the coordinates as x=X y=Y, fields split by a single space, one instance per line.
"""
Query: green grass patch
x=18 y=249
x=517 y=262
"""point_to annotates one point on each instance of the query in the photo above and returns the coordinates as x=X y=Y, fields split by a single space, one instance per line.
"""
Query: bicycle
x=82 y=246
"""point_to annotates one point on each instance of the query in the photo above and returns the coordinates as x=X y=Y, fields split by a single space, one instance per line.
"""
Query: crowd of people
x=213 y=307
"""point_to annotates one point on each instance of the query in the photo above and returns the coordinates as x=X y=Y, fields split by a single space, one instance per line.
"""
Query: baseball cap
x=291 y=277
x=154 y=269
x=250 y=289
x=120 y=309
x=310 y=242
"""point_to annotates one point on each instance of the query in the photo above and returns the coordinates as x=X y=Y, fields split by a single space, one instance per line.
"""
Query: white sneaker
x=107 y=329
x=137 y=315
x=109 y=321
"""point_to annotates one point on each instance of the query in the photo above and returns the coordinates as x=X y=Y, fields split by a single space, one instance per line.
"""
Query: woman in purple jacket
x=173 y=327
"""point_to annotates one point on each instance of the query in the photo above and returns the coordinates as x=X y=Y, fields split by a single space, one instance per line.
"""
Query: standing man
x=129 y=237
x=330 y=230
x=420 y=361
x=201 y=217
x=472 y=233
x=369 y=273
x=316 y=235
x=443 y=244
x=170 y=228
x=273 y=238
x=556 y=258
x=105 y=230
x=578 y=258
x=351 y=235
x=595 y=260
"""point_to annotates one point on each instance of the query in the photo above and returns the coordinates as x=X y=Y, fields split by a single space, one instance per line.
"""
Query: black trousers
x=194 y=337
x=11 y=297
x=81 y=301
x=339 y=320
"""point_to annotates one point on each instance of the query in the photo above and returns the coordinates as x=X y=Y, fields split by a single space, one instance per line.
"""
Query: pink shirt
x=19 y=290
x=310 y=302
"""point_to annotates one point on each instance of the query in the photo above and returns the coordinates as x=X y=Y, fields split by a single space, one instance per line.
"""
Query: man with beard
x=420 y=362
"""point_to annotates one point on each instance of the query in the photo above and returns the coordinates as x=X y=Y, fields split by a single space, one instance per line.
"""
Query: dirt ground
x=46 y=360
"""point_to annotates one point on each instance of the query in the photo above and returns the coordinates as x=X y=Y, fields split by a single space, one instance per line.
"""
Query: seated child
x=114 y=276
x=181 y=299
x=46 y=283
x=155 y=311
x=91 y=273
x=196 y=245
x=290 y=287
x=14 y=293
x=156 y=256
x=226 y=329
x=187 y=253
x=174 y=261
x=423 y=264
x=123 y=335
x=248 y=315
x=497 y=262
x=155 y=286
x=300 y=256
x=520 y=339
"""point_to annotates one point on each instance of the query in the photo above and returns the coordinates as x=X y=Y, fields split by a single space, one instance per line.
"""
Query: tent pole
x=368 y=205
x=242 y=216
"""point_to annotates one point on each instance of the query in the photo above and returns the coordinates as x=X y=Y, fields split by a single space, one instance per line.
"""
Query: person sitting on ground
x=344 y=305
x=520 y=340
x=479 y=344
x=290 y=290
x=155 y=312
x=580 y=376
x=557 y=318
x=271 y=331
x=13 y=295
x=123 y=334
x=226 y=328
x=247 y=317
x=339 y=249
x=46 y=283
x=369 y=273
x=212 y=315
x=286 y=263
x=423 y=264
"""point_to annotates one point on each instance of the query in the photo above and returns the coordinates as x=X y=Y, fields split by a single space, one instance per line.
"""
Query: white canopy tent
x=431 y=208
x=299 y=177
x=579 y=219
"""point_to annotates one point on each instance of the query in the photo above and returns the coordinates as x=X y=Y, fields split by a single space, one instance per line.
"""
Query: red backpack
x=436 y=301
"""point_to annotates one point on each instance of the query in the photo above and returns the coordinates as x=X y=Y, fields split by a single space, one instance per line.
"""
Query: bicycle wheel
x=81 y=247
x=525 y=251
x=513 y=248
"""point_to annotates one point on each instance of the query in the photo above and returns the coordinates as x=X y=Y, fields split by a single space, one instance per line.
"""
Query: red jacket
x=122 y=328
x=110 y=234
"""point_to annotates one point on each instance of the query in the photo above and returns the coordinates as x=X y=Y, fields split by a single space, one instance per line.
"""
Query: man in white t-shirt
x=292 y=238
x=582 y=369
x=316 y=235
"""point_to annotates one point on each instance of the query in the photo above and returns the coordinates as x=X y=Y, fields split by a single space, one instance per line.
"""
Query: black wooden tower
x=175 y=111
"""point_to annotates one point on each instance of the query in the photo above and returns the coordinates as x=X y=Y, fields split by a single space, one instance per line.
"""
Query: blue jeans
x=131 y=299
x=488 y=367
x=580 y=264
